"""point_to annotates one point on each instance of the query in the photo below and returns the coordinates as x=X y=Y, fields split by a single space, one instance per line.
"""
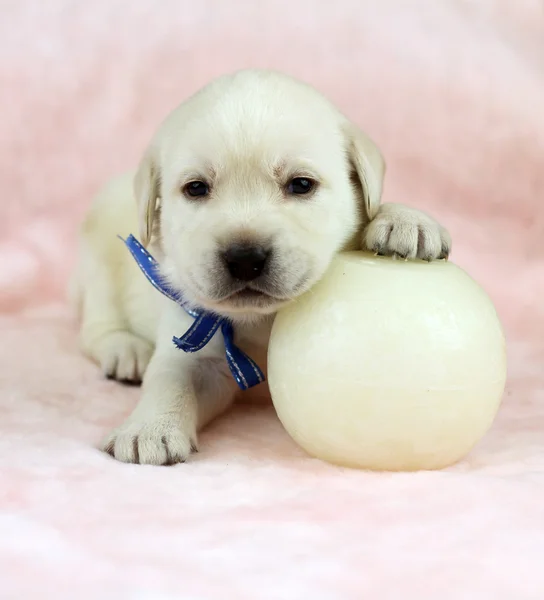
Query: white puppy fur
x=254 y=162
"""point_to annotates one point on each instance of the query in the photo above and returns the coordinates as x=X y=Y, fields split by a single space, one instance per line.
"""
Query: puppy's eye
x=300 y=186
x=197 y=189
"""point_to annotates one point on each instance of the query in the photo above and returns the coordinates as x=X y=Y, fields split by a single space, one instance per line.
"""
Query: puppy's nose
x=246 y=262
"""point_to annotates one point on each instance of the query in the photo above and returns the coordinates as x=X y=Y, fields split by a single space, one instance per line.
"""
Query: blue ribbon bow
x=245 y=371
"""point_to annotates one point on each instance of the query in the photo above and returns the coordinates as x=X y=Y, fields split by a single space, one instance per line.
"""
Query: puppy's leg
x=104 y=335
x=112 y=295
x=181 y=393
x=163 y=428
x=399 y=230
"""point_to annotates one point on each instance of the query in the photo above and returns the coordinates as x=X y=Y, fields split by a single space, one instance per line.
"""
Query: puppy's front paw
x=398 y=230
x=123 y=356
x=163 y=440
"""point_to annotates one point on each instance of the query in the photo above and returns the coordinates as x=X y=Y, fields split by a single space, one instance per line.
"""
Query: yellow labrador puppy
x=246 y=192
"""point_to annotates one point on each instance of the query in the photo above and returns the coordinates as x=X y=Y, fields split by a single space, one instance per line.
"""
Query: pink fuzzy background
x=453 y=91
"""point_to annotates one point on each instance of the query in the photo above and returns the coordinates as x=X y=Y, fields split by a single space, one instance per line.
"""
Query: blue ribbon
x=245 y=371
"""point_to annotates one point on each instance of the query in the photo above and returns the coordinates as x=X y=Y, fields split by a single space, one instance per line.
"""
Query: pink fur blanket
x=453 y=91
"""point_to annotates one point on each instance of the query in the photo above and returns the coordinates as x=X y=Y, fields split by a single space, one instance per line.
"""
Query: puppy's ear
x=147 y=188
x=368 y=168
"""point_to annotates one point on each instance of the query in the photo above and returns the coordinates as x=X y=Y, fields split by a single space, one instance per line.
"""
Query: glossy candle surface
x=388 y=364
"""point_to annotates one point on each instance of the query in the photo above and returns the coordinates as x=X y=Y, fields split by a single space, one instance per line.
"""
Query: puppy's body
x=245 y=194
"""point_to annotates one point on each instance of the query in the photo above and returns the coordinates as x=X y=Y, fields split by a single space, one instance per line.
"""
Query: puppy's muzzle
x=246 y=262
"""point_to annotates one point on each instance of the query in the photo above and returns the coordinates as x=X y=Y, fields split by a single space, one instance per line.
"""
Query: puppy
x=245 y=194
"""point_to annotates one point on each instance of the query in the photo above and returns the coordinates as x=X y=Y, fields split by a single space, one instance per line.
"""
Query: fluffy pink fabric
x=453 y=92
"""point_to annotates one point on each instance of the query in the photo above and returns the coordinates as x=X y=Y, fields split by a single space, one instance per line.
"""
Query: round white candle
x=388 y=365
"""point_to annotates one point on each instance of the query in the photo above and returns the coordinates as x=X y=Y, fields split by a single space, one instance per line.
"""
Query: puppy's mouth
x=261 y=296
x=250 y=296
x=250 y=299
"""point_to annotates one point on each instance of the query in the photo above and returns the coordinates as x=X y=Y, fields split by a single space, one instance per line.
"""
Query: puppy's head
x=252 y=185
